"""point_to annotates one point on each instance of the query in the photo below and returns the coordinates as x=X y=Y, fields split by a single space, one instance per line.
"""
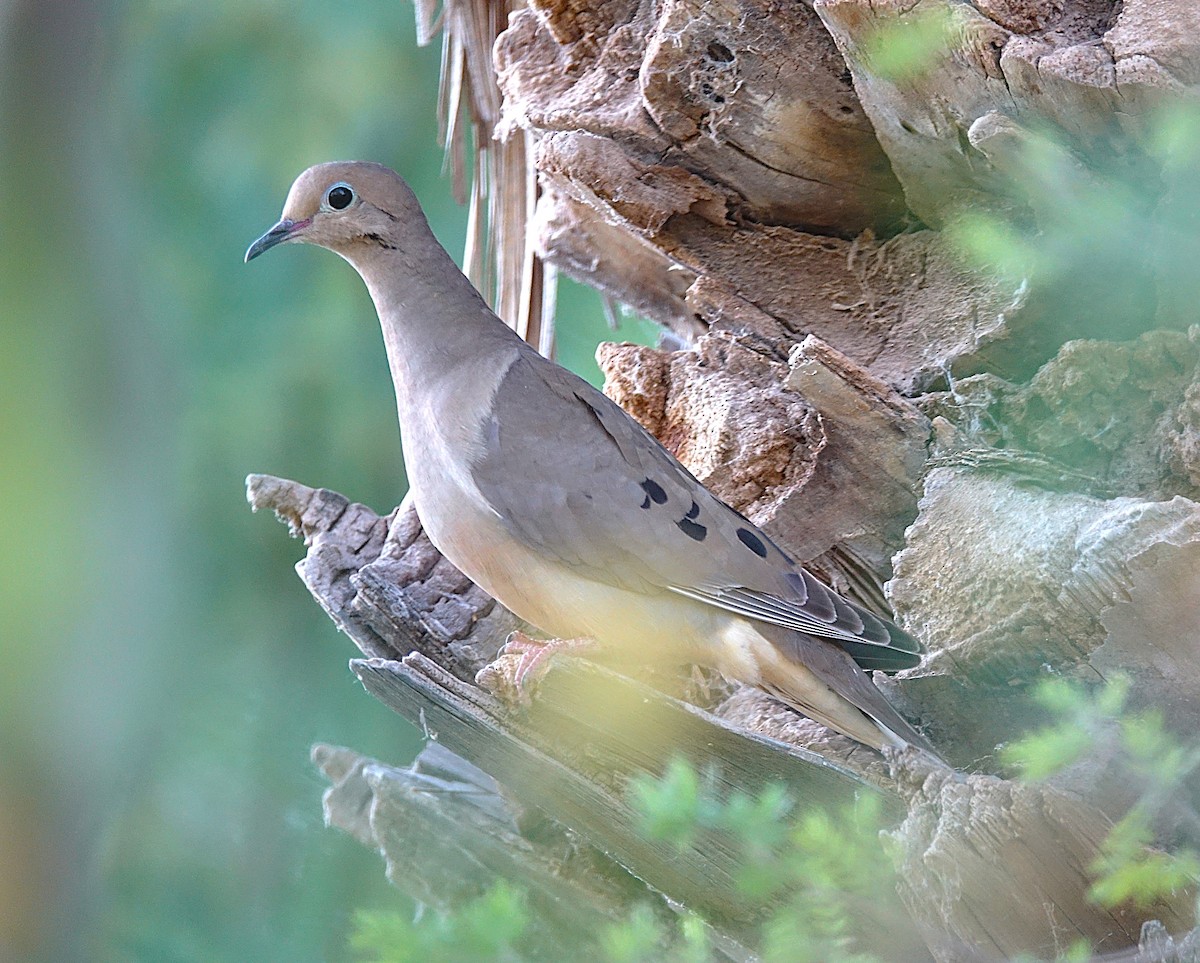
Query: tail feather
x=837 y=669
x=902 y=651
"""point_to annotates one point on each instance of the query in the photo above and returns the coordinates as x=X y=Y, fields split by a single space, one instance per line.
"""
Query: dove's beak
x=285 y=230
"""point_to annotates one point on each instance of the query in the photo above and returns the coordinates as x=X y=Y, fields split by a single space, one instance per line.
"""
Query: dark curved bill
x=276 y=235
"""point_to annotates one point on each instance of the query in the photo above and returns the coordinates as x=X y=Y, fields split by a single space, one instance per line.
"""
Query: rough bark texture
x=1012 y=471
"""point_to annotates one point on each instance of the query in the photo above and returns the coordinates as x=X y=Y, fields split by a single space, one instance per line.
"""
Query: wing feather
x=685 y=540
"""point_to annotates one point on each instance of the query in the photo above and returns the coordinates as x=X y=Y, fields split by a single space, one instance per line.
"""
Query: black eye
x=339 y=197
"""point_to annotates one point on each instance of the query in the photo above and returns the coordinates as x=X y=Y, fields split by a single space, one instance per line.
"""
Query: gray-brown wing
x=574 y=476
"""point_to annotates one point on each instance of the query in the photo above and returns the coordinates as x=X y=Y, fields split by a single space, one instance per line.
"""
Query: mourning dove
x=555 y=501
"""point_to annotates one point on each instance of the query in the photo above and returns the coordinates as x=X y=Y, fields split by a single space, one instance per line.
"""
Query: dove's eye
x=340 y=196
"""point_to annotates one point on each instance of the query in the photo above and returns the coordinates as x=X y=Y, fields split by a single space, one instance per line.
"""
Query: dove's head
x=349 y=207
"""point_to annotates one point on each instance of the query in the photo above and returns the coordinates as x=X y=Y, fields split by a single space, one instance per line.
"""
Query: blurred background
x=162 y=670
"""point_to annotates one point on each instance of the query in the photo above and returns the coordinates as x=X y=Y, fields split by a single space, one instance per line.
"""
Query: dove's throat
x=434 y=322
x=448 y=354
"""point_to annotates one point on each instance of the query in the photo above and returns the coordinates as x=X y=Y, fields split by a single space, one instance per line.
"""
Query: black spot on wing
x=655 y=491
x=761 y=536
x=646 y=502
x=752 y=542
x=693 y=511
x=692 y=529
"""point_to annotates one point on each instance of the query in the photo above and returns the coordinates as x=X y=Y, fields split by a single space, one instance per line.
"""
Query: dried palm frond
x=499 y=257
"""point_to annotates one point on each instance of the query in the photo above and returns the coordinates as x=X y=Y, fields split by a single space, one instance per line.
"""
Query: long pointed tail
x=850 y=702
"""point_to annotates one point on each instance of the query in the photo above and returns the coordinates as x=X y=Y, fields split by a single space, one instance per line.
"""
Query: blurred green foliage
x=816 y=873
x=1098 y=723
x=487 y=928
x=1079 y=718
x=812 y=868
x=1092 y=217
x=164 y=670
x=906 y=49
x=812 y=872
x=1064 y=215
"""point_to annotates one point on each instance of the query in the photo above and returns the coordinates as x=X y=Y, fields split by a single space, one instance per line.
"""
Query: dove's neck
x=434 y=322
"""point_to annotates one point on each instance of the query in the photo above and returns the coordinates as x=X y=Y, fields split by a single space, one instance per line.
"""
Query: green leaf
x=638 y=939
x=1046 y=752
x=1129 y=871
x=488 y=927
x=669 y=808
x=910 y=46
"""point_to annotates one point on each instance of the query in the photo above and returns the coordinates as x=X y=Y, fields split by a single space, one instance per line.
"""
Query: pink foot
x=534 y=654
